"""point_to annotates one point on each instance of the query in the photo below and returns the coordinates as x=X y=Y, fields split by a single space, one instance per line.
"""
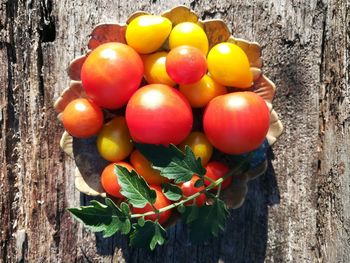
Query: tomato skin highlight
x=111 y=74
x=236 y=123
x=143 y=167
x=186 y=64
x=114 y=141
x=158 y=114
x=216 y=170
x=161 y=201
x=82 y=118
x=189 y=189
x=109 y=179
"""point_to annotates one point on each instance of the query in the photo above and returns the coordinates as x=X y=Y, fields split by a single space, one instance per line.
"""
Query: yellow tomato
x=191 y=34
x=229 y=65
x=155 y=71
x=200 y=93
x=147 y=33
x=114 y=141
x=200 y=146
x=144 y=169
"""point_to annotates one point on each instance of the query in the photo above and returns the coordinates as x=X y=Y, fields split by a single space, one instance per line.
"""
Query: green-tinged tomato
x=114 y=141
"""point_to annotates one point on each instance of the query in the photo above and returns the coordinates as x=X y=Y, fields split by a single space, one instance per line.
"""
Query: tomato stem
x=209 y=187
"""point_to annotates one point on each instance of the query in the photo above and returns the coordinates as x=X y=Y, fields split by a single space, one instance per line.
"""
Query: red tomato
x=236 y=123
x=111 y=74
x=158 y=114
x=189 y=189
x=109 y=179
x=82 y=118
x=161 y=201
x=186 y=64
x=215 y=171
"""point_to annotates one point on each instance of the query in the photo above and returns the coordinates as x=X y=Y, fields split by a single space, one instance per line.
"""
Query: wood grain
x=298 y=212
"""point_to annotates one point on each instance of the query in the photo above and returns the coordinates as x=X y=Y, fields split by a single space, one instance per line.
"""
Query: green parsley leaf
x=148 y=235
x=98 y=217
x=172 y=162
x=206 y=220
x=134 y=187
x=171 y=191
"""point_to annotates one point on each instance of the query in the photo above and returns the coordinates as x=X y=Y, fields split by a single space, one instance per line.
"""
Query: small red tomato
x=111 y=74
x=186 y=64
x=82 y=118
x=109 y=179
x=236 y=123
x=161 y=201
x=189 y=189
x=216 y=170
x=158 y=114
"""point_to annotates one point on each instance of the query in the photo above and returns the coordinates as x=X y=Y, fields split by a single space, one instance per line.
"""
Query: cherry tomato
x=200 y=146
x=109 y=179
x=186 y=64
x=190 y=34
x=111 y=74
x=216 y=170
x=147 y=33
x=229 y=65
x=158 y=114
x=113 y=141
x=189 y=189
x=144 y=169
x=236 y=123
x=201 y=92
x=161 y=201
x=155 y=72
x=82 y=118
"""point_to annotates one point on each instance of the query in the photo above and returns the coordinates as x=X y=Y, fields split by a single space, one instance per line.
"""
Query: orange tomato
x=109 y=179
x=144 y=169
x=200 y=93
x=82 y=118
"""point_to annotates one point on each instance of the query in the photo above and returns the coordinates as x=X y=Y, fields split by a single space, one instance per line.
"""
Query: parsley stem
x=209 y=187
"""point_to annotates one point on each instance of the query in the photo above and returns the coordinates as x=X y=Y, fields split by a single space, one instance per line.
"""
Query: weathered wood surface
x=298 y=212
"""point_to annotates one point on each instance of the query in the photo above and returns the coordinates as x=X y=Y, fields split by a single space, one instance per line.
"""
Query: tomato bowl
x=87 y=156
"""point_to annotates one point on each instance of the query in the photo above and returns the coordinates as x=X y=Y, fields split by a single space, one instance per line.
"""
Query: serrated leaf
x=98 y=217
x=134 y=187
x=171 y=191
x=208 y=220
x=148 y=235
x=141 y=221
x=172 y=162
x=125 y=208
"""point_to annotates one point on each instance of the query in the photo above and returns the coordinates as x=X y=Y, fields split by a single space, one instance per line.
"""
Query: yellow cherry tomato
x=200 y=146
x=155 y=71
x=200 y=93
x=114 y=141
x=229 y=65
x=144 y=169
x=190 y=34
x=147 y=33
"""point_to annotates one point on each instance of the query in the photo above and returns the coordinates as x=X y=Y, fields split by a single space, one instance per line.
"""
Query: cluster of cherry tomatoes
x=181 y=72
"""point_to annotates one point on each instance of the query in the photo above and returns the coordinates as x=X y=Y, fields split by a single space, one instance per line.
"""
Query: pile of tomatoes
x=154 y=81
